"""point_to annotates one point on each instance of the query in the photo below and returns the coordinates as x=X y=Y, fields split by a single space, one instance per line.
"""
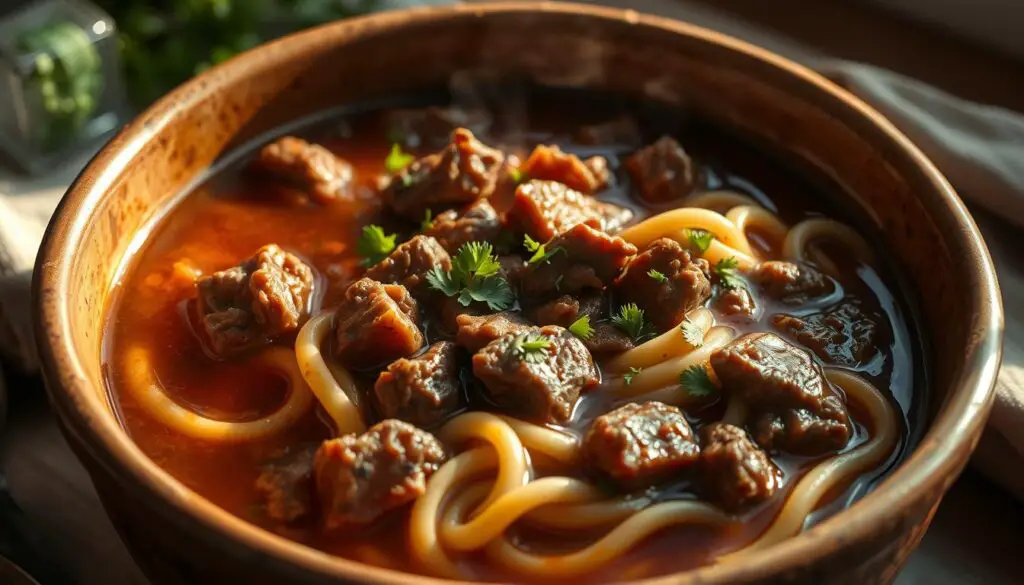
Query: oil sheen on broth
x=852 y=322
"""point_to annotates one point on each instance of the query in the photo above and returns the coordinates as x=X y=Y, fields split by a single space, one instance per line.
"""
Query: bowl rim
x=933 y=465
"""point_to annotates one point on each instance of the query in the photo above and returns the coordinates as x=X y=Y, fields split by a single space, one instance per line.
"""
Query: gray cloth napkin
x=980 y=148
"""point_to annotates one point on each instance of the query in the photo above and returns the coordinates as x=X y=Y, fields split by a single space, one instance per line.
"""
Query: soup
x=613 y=343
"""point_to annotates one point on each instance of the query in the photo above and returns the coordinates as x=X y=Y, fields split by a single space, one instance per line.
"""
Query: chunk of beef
x=541 y=385
x=286 y=485
x=323 y=177
x=375 y=323
x=549 y=163
x=793 y=284
x=476 y=331
x=432 y=126
x=662 y=172
x=665 y=302
x=478 y=222
x=794 y=408
x=737 y=303
x=640 y=445
x=409 y=263
x=733 y=472
x=621 y=131
x=423 y=390
x=606 y=338
x=581 y=258
x=265 y=297
x=466 y=170
x=360 y=477
x=544 y=209
x=845 y=334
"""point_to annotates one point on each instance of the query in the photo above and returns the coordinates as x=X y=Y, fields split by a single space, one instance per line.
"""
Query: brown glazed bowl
x=179 y=538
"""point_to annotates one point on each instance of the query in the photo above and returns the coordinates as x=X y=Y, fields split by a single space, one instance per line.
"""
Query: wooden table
x=977 y=537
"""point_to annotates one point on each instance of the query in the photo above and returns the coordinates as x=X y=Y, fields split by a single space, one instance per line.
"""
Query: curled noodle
x=332 y=384
x=801 y=236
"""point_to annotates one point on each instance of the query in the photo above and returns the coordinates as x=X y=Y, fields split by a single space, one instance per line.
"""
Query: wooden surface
x=977 y=537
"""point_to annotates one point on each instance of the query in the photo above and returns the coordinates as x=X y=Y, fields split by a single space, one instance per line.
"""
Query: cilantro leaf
x=517 y=174
x=727 y=274
x=531 y=347
x=427 y=222
x=397 y=159
x=696 y=381
x=374 y=245
x=540 y=253
x=700 y=240
x=657 y=275
x=632 y=373
x=473 y=277
x=692 y=334
x=581 y=328
x=630 y=319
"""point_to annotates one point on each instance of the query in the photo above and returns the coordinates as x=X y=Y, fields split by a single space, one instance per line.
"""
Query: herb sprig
x=474 y=276
x=374 y=245
x=728 y=276
x=397 y=159
x=632 y=373
x=630 y=319
x=427 y=222
x=531 y=347
x=696 y=381
x=658 y=276
x=581 y=328
x=700 y=240
x=540 y=252
x=692 y=334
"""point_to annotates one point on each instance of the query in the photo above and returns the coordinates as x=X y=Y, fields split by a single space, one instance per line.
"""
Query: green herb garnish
x=540 y=253
x=374 y=245
x=531 y=347
x=581 y=328
x=397 y=159
x=692 y=334
x=700 y=240
x=630 y=319
x=473 y=277
x=726 y=271
x=657 y=276
x=632 y=373
x=427 y=222
x=517 y=175
x=696 y=381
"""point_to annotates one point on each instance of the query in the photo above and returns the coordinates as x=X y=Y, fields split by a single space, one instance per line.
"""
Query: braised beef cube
x=360 y=477
x=432 y=126
x=621 y=131
x=423 y=390
x=466 y=170
x=512 y=268
x=662 y=172
x=539 y=383
x=737 y=303
x=286 y=485
x=579 y=259
x=600 y=169
x=544 y=209
x=794 y=406
x=478 y=222
x=264 y=298
x=733 y=472
x=640 y=445
x=793 y=284
x=476 y=331
x=409 y=263
x=313 y=169
x=845 y=334
x=549 y=163
x=683 y=285
x=606 y=339
x=375 y=323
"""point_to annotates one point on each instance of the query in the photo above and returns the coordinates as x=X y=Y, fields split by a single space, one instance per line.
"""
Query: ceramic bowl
x=178 y=537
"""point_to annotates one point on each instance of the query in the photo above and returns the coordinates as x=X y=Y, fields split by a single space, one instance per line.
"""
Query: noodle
x=144 y=385
x=332 y=385
x=669 y=224
x=720 y=200
x=662 y=347
x=666 y=373
x=746 y=217
x=803 y=234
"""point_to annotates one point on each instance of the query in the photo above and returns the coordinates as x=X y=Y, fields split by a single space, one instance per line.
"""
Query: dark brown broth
x=226 y=217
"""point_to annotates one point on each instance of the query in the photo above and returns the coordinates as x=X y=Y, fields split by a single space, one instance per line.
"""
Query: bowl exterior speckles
x=180 y=538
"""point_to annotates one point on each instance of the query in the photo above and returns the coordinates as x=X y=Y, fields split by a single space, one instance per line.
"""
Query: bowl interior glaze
x=924 y=226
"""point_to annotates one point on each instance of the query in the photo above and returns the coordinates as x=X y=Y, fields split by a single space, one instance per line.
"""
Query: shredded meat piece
x=477 y=331
x=563 y=311
x=845 y=334
x=581 y=258
x=409 y=263
x=733 y=471
x=662 y=172
x=793 y=284
x=666 y=301
x=549 y=163
x=423 y=390
x=286 y=485
x=544 y=209
x=311 y=168
x=375 y=323
x=478 y=222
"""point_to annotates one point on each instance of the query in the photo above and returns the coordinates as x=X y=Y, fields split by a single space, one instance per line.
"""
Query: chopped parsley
x=581 y=328
x=397 y=159
x=374 y=245
x=657 y=276
x=727 y=274
x=700 y=240
x=692 y=334
x=696 y=382
x=630 y=319
x=517 y=175
x=427 y=222
x=531 y=347
x=540 y=253
x=474 y=277
x=632 y=373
